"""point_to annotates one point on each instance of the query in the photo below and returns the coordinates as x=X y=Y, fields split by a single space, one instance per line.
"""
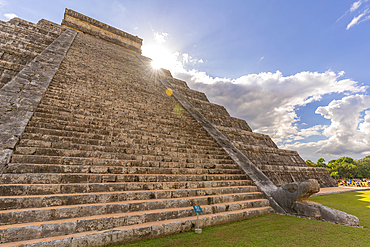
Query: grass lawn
x=281 y=230
x=356 y=203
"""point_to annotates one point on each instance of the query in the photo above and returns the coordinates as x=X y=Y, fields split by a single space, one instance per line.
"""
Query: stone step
x=16 y=55
x=90 y=121
x=272 y=156
x=240 y=137
x=146 y=130
x=34 y=159
x=176 y=82
x=50 y=26
x=73 y=101
x=59 y=93
x=123 y=139
x=116 y=116
x=33 y=230
x=25 y=35
x=185 y=91
x=14 y=41
x=6 y=75
x=69 y=97
x=127 y=159
x=19 y=41
x=37 y=28
x=18 y=51
x=132 y=138
x=35 y=194
x=114 y=147
x=10 y=66
x=209 y=107
x=165 y=144
x=225 y=121
x=122 y=153
x=57 y=178
x=21 y=26
x=18 y=216
x=72 y=96
x=137 y=232
x=47 y=168
x=71 y=86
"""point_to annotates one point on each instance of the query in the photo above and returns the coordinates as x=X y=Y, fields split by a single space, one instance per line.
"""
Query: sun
x=161 y=56
x=156 y=64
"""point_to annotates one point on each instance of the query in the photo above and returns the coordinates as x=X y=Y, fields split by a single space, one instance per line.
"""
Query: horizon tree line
x=345 y=167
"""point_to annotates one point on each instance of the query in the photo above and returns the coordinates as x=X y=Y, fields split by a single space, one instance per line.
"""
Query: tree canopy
x=345 y=167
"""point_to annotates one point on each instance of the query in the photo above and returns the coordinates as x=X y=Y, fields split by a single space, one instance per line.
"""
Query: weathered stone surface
x=88 y=25
x=5 y=155
x=280 y=166
x=102 y=155
x=293 y=198
x=288 y=194
x=287 y=199
x=317 y=211
x=19 y=108
x=107 y=169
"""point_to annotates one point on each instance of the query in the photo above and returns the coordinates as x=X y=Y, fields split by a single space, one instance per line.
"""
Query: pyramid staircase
x=279 y=165
x=20 y=42
x=108 y=157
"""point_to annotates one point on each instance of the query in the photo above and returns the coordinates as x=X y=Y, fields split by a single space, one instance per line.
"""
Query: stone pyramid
x=94 y=152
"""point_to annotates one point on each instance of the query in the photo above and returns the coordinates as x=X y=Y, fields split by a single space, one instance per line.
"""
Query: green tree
x=363 y=167
x=310 y=163
x=321 y=163
x=335 y=175
x=345 y=167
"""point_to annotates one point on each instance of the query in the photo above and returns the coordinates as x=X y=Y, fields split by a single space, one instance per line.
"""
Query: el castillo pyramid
x=98 y=148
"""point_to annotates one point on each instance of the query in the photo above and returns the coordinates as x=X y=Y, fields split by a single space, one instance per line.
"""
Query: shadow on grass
x=269 y=230
x=356 y=203
x=282 y=230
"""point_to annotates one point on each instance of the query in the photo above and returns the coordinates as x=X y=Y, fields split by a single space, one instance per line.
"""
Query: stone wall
x=20 y=42
x=20 y=96
x=94 y=148
x=98 y=29
x=108 y=157
x=279 y=165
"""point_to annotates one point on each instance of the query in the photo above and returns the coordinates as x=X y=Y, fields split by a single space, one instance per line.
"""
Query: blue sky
x=295 y=70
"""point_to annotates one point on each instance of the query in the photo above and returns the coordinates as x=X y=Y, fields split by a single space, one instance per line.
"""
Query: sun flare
x=156 y=64
x=161 y=57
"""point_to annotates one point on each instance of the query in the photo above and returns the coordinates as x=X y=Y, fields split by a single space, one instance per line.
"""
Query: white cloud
x=345 y=134
x=268 y=101
x=356 y=20
x=348 y=132
x=360 y=17
x=186 y=58
x=160 y=38
x=304 y=133
x=312 y=131
x=355 y=5
x=9 y=16
x=365 y=125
